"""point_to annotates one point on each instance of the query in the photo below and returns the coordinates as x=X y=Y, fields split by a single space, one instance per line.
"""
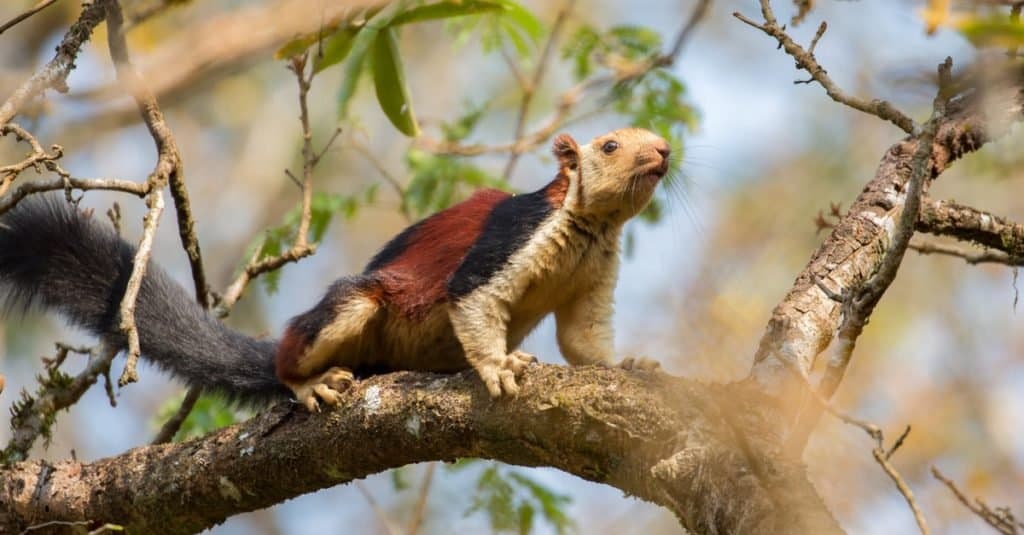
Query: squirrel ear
x=567 y=152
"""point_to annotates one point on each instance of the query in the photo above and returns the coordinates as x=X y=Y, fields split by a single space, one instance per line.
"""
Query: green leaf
x=354 y=68
x=445 y=10
x=997 y=30
x=389 y=81
x=347 y=22
x=209 y=413
x=523 y=18
x=336 y=48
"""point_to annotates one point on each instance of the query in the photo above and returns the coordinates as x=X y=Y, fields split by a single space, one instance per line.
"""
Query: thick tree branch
x=803 y=324
x=702 y=451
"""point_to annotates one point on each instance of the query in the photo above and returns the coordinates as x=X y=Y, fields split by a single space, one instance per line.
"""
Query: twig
x=1001 y=519
x=34 y=415
x=805 y=60
x=421 y=501
x=389 y=526
x=31 y=11
x=904 y=489
x=155 y=203
x=36 y=160
x=388 y=177
x=54 y=74
x=879 y=452
x=167 y=166
x=971 y=257
x=300 y=247
x=530 y=87
x=684 y=35
x=569 y=99
x=171 y=426
x=67 y=182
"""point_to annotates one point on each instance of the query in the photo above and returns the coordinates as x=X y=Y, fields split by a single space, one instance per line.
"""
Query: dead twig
x=880 y=453
x=419 y=511
x=986 y=256
x=54 y=75
x=172 y=425
x=168 y=164
x=530 y=87
x=34 y=414
x=805 y=60
x=26 y=14
x=300 y=247
x=1001 y=518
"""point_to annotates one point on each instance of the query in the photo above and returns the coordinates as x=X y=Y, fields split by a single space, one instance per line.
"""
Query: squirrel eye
x=609 y=147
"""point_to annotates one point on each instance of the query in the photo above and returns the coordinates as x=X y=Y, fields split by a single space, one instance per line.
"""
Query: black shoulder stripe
x=392 y=249
x=508 y=228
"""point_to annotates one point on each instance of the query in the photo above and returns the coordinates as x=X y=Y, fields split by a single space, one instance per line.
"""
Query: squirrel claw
x=326 y=387
x=640 y=363
x=499 y=373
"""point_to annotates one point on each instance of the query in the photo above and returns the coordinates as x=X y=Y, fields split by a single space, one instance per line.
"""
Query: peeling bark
x=804 y=322
x=706 y=452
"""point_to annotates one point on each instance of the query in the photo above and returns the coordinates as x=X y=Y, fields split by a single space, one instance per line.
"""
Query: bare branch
x=948 y=218
x=805 y=60
x=43 y=4
x=33 y=415
x=421 y=501
x=300 y=247
x=1001 y=518
x=568 y=100
x=530 y=88
x=904 y=489
x=54 y=75
x=986 y=256
x=804 y=323
x=171 y=426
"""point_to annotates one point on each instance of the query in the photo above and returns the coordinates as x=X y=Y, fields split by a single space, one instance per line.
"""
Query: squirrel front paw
x=640 y=363
x=326 y=387
x=499 y=373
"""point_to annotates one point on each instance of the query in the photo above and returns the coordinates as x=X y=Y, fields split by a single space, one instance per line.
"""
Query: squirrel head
x=613 y=175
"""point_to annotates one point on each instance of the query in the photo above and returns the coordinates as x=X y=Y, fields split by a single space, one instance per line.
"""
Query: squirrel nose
x=663 y=149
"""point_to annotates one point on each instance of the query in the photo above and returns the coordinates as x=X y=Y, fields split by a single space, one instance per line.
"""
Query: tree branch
x=803 y=324
x=948 y=218
x=805 y=60
x=54 y=75
x=703 y=451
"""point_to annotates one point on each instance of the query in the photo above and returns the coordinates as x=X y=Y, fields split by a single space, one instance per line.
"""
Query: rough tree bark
x=703 y=451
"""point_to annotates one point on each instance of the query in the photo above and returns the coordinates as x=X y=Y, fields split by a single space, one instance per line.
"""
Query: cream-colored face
x=619 y=171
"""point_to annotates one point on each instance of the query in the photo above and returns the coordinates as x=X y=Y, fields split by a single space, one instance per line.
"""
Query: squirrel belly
x=460 y=289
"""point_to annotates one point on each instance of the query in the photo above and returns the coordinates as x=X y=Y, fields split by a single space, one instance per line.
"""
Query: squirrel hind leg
x=322 y=346
x=326 y=387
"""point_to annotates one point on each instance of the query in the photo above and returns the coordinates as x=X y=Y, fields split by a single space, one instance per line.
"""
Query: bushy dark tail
x=57 y=257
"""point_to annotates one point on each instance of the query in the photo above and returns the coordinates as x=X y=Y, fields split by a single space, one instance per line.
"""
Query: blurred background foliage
x=758 y=159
